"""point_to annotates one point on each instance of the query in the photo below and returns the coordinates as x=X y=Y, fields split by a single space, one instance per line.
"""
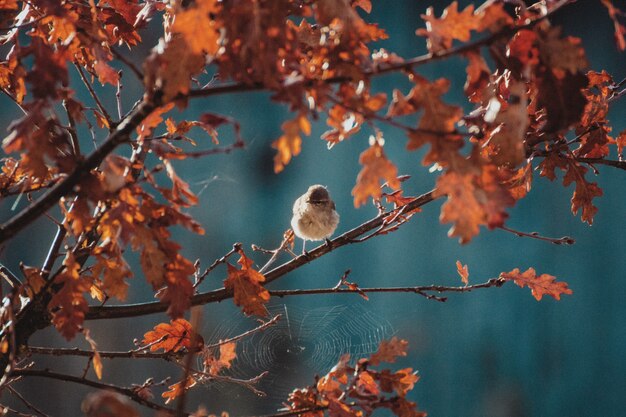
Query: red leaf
x=224 y=361
x=539 y=285
x=172 y=336
x=376 y=169
x=463 y=272
x=388 y=351
x=451 y=26
x=246 y=286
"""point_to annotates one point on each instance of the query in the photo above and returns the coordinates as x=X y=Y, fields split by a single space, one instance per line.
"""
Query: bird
x=314 y=215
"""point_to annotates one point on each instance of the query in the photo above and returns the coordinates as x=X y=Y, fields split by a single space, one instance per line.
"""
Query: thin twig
x=275 y=253
x=262 y=327
x=118 y=95
x=26 y=402
x=95 y=97
x=236 y=248
x=565 y=240
x=421 y=290
x=72 y=130
x=128 y=63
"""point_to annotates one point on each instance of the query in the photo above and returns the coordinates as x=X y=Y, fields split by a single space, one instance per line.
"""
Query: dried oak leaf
x=96 y=358
x=461 y=208
x=173 y=337
x=245 y=283
x=366 y=385
x=171 y=66
x=401 y=381
x=154 y=119
x=389 y=350
x=463 y=272
x=198 y=27
x=452 y=25
x=584 y=193
x=290 y=143
x=437 y=124
x=506 y=141
x=539 y=285
x=376 y=169
x=224 y=361
x=68 y=305
x=478 y=75
x=175 y=390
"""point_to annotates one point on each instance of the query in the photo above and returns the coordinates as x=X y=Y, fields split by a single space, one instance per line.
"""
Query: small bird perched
x=314 y=215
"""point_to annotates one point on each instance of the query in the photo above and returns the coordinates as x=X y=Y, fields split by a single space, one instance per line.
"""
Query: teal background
x=494 y=352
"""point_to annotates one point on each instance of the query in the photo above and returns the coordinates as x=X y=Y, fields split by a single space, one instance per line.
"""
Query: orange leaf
x=376 y=169
x=462 y=209
x=539 y=285
x=478 y=75
x=290 y=143
x=584 y=193
x=401 y=381
x=451 y=26
x=177 y=389
x=68 y=304
x=246 y=286
x=153 y=120
x=172 y=336
x=388 y=351
x=366 y=385
x=198 y=27
x=227 y=355
x=438 y=120
x=463 y=272
x=96 y=360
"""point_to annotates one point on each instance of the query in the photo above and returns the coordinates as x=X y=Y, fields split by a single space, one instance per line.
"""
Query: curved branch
x=128 y=392
x=142 y=309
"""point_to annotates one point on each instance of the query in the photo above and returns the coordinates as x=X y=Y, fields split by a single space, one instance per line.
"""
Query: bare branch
x=421 y=290
x=262 y=327
x=128 y=392
x=565 y=240
x=95 y=97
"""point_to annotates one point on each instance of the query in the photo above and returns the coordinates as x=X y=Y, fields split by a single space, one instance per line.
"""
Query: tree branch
x=142 y=309
x=66 y=186
x=421 y=290
x=128 y=392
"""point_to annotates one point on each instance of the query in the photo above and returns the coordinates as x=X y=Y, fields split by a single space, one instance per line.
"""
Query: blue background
x=494 y=352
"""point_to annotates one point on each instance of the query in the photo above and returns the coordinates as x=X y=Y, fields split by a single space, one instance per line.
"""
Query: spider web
x=302 y=344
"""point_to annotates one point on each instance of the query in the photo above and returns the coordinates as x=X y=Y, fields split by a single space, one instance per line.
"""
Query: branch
x=141 y=353
x=26 y=402
x=95 y=97
x=128 y=392
x=421 y=290
x=534 y=235
x=142 y=309
x=407 y=64
x=66 y=186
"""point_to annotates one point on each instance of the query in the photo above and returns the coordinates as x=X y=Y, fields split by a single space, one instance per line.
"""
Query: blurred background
x=493 y=352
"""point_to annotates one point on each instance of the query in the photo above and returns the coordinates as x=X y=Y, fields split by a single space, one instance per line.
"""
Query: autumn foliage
x=537 y=109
